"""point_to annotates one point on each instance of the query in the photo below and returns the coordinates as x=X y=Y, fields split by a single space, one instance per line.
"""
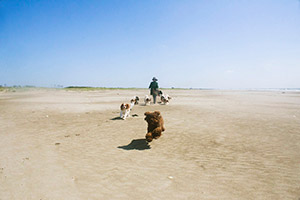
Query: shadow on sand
x=138 y=144
x=116 y=118
x=119 y=118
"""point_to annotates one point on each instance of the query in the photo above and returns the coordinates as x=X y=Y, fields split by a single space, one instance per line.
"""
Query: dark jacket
x=153 y=88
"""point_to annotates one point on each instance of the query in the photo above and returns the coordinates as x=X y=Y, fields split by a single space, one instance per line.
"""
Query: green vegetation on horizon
x=88 y=88
x=78 y=88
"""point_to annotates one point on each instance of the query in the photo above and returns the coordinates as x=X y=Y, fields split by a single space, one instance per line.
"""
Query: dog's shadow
x=116 y=118
x=137 y=144
x=119 y=118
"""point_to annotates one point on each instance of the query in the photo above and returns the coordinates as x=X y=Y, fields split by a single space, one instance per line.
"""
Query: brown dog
x=155 y=125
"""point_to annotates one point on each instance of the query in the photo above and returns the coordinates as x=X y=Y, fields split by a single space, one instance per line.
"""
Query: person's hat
x=154 y=79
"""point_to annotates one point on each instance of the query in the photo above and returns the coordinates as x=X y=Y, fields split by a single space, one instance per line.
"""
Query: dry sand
x=58 y=144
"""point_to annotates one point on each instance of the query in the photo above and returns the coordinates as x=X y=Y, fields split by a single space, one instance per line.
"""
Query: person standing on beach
x=154 y=89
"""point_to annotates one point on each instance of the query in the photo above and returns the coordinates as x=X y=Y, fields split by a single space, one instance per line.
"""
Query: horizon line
x=183 y=88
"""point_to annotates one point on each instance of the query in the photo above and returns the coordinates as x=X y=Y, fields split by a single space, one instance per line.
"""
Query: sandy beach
x=60 y=144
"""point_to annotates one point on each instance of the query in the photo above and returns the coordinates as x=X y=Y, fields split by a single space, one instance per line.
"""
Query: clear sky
x=124 y=43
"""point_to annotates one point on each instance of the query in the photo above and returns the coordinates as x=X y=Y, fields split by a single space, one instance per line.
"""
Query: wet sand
x=58 y=144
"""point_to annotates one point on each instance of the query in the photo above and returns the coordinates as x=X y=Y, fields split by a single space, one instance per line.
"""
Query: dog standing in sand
x=147 y=100
x=135 y=100
x=165 y=99
x=125 y=110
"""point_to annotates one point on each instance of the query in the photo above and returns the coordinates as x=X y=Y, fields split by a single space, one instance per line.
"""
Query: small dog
x=125 y=110
x=165 y=99
x=147 y=100
x=155 y=125
x=160 y=93
x=135 y=100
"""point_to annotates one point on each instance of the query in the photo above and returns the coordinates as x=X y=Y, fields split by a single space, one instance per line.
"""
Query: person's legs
x=154 y=98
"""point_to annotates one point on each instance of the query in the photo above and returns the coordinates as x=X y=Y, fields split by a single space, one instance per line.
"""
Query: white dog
x=165 y=99
x=147 y=100
x=135 y=100
x=125 y=110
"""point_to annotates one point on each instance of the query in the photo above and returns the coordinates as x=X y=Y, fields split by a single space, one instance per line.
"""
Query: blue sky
x=124 y=43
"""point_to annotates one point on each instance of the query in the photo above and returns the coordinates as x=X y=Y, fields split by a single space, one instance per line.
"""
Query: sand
x=58 y=144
